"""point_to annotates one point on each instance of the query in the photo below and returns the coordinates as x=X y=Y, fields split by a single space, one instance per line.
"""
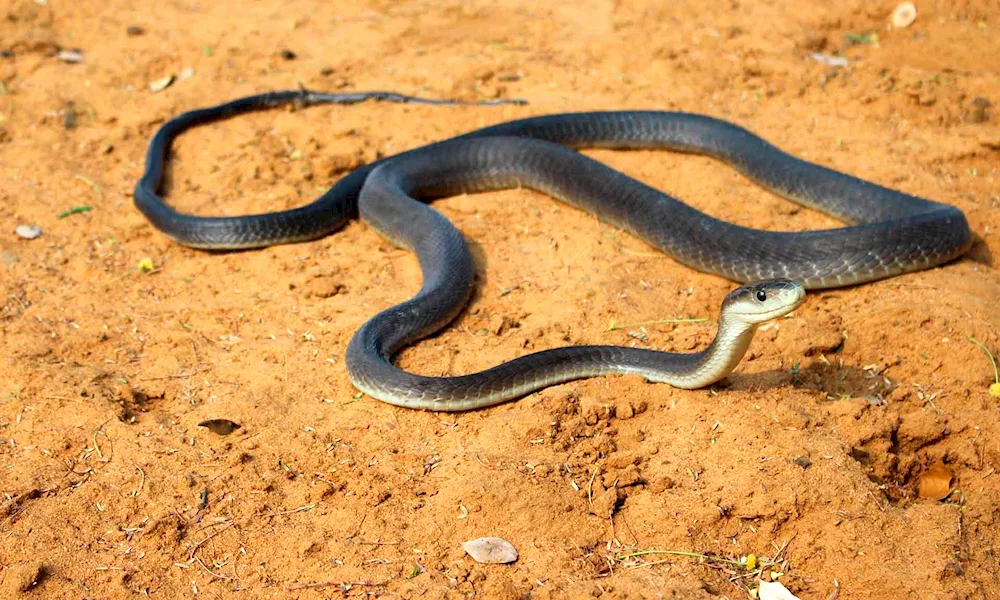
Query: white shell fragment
x=773 y=590
x=28 y=232
x=829 y=60
x=490 y=550
x=161 y=84
x=904 y=15
x=70 y=56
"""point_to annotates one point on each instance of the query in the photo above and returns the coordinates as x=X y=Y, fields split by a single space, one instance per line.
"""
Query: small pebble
x=28 y=232
x=288 y=54
x=161 y=84
x=70 y=56
x=134 y=30
x=220 y=426
x=490 y=550
x=904 y=15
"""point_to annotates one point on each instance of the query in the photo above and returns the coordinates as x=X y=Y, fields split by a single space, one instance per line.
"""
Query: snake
x=886 y=233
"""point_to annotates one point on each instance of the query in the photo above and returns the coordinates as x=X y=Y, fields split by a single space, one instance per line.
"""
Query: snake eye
x=761 y=295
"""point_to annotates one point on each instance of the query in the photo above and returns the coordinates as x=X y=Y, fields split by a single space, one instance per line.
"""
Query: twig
x=209 y=571
x=680 y=553
x=97 y=447
x=343 y=585
x=993 y=361
x=836 y=591
x=590 y=486
x=142 y=481
x=309 y=506
x=615 y=326
x=210 y=536
x=93 y=186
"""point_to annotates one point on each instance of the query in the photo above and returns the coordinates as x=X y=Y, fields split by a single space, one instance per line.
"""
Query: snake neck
x=724 y=353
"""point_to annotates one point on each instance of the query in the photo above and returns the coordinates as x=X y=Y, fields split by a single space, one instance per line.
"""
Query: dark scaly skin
x=891 y=232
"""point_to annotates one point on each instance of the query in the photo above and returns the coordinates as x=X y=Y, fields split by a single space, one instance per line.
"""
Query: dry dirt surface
x=805 y=463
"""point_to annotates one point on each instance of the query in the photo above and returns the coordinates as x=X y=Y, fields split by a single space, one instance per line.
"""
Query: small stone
x=499 y=324
x=803 y=462
x=220 y=426
x=288 y=54
x=904 y=15
x=161 y=84
x=661 y=484
x=624 y=410
x=70 y=56
x=134 y=30
x=492 y=550
x=28 y=232
x=324 y=286
x=980 y=110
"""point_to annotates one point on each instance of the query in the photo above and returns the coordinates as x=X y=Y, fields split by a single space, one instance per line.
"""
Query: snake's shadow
x=980 y=252
x=833 y=380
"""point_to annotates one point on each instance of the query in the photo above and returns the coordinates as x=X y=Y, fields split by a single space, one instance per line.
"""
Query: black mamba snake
x=890 y=233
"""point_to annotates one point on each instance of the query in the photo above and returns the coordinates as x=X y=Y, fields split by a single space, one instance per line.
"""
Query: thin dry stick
x=97 y=446
x=680 y=553
x=209 y=571
x=615 y=326
x=590 y=486
x=343 y=585
x=142 y=481
x=210 y=536
x=309 y=506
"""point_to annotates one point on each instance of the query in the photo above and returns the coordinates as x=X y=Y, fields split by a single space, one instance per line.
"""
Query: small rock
x=134 y=30
x=220 y=426
x=161 y=84
x=661 y=484
x=803 y=462
x=70 y=56
x=624 y=410
x=288 y=54
x=904 y=15
x=28 y=232
x=980 y=112
x=492 y=550
x=324 y=286
x=626 y=477
x=499 y=324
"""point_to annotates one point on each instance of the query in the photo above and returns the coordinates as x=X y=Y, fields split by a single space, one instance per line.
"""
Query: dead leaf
x=490 y=550
x=935 y=483
x=220 y=426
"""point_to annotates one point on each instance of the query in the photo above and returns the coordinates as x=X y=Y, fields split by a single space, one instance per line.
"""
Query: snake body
x=889 y=233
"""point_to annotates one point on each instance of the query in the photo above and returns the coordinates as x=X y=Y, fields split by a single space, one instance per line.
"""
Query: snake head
x=755 y=303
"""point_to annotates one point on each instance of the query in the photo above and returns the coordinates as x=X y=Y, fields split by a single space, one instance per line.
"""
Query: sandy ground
x=809 y=457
